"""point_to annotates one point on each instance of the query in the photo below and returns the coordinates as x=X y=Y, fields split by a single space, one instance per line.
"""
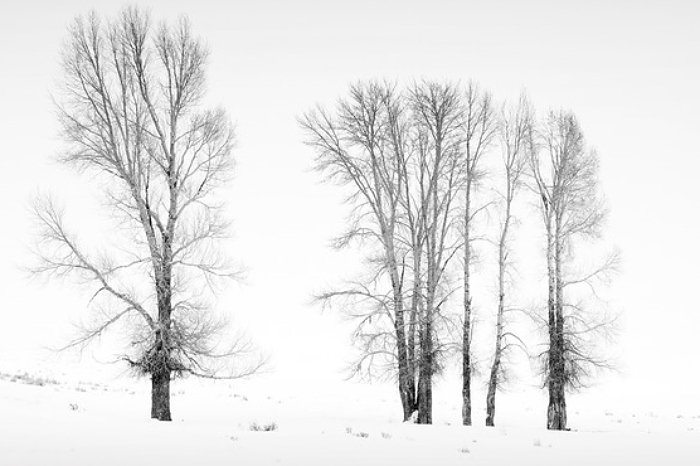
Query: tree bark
x=466 y=328
x=416 y=313
x=466 y=352
x=491 y=402
x=425 y=376
x=556 y=410
x=496 y=367
x=406 y=390
x=414 y=329
x=466 y=371
x=425 y=383
x=160 y=395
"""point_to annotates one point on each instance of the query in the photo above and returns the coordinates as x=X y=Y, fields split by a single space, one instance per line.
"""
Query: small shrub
x=263 y=428
x=537 y=443
x=361 y=434
x=465 y=450
x=386 y=435
x=29 y=379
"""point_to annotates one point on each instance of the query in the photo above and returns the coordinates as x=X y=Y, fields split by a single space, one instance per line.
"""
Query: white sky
x=629 y=69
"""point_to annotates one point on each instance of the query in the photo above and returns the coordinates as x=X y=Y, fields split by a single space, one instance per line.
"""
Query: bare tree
x=516 y=129
x=565 y=172
x=398 y=152
x=480 y=128
x=131 y=113
x=364 y=147
x=438 y=111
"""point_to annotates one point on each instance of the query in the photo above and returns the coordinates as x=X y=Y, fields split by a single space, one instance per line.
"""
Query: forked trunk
x=406 y=390
x=556 y=411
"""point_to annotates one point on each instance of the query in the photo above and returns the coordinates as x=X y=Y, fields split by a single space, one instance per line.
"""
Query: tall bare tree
x=437 y=112
x=480 y=129
x=515 y=133
x=131 y=112
x=565 y=172
x=363 y=146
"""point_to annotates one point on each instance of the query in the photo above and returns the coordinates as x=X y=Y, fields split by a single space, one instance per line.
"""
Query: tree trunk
x=425 y=398
x=556 y=411
x=408 y=402
x=466 y=364
x=493 y=386
x=466 y=376
x=160 y=395
x=406 y=389
x=405 y=392
x=466 y=330
x=496 y=367
x=411 y=363
x=414 y=327
x=425 y=384
x=491 y=402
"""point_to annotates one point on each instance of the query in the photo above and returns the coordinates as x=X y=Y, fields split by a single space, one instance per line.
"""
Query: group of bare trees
x=412 y=161
x=400 y=155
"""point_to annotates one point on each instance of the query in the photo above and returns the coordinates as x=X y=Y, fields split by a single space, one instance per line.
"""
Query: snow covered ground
x=78 y=423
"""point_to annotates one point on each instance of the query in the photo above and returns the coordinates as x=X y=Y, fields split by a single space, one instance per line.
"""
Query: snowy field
x=259 y=422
